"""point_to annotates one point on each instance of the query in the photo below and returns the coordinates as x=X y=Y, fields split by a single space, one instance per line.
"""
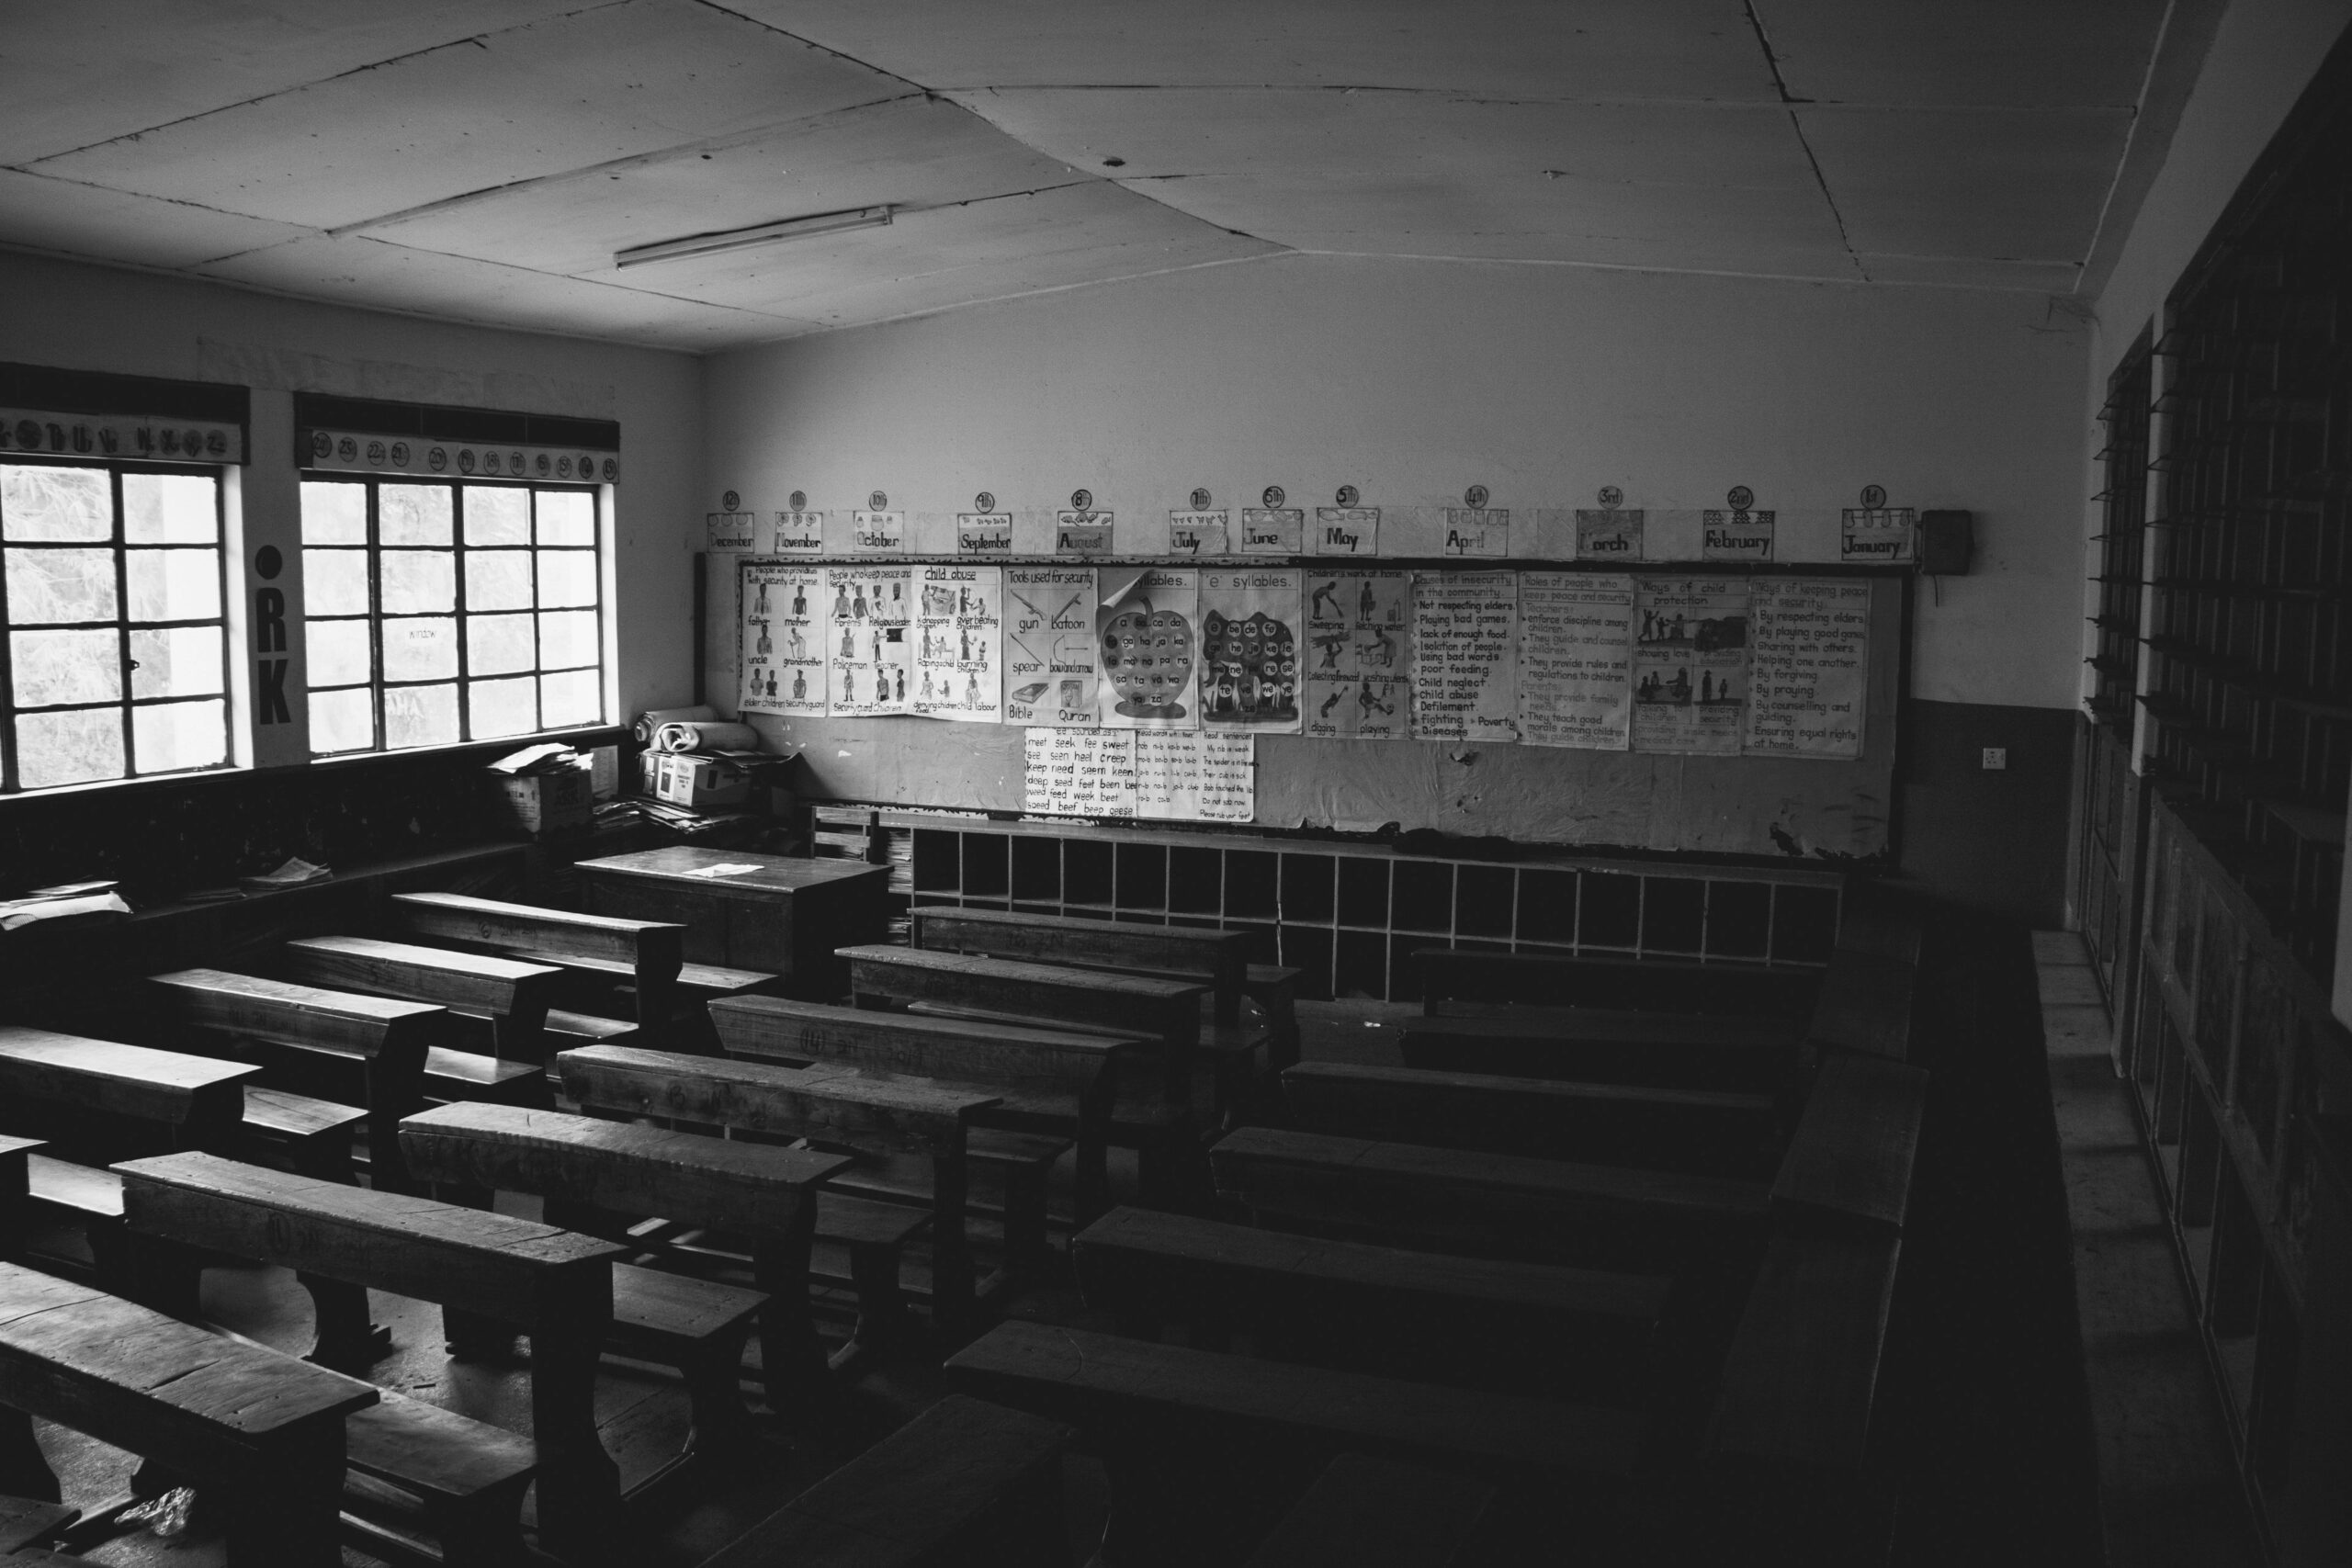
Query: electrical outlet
x=1997 y=759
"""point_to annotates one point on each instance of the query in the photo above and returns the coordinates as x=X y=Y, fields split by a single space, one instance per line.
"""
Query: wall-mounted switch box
x=1997 y=758
x=1947 y=543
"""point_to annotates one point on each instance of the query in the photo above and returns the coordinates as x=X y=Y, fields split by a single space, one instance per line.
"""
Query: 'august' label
x=1081 y=533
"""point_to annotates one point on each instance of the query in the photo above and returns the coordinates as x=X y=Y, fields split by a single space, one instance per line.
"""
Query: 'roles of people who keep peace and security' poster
x=1147 y=634
x=1576 y=679
x=1250 y=648
x=784 y=639
x=1359 y=655
x=1466 y=646
x=868 y=655
x=1808 y=660
x=1690 y=663
x=959 y=637
x=1049 y=664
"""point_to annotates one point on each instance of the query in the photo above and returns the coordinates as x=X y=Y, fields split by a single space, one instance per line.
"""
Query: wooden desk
x=783 y=916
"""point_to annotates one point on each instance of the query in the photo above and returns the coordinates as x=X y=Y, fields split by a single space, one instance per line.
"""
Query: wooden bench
x=1649 y=984
x=1879 y=924
x=265 y=1428
x=551 y=1284
x=467 y=1476
x=1365 y=1512
x=1865 y=1006
x=1045 y=1080
x=1163 y=1410
x=512 y=998
x=1705 y=1051
x=1605 y=1123
x=1850 y=1158
x=966 y=1482
x=15 y=1155
x=648 y=955
x=1566 y=1331
x=827 y=1105
x=590 y=1170
x=31 y=1522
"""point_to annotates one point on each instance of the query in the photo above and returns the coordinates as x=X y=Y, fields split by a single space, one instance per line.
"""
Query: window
x=111 y=592
x=440 y=613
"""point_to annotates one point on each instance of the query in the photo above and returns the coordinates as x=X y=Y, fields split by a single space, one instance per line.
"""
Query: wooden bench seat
x=467 y=1476
x=1363 y=1511
x=1647 y=985
x=265 y=1428
x=649 y=953
x=1852 y=1153
x=511 y=997
x=1705 y=1051
x=1605 y=1123
x=1865 y=1006
x=964 y=1482
x=1219 y=957
x=31 y=1522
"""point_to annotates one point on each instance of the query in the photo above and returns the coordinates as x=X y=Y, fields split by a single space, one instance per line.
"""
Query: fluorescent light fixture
x=760 y=234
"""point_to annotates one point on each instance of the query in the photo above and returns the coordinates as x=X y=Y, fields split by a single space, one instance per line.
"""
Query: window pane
x=334 y=514
x=174 y=585
x=72 y=504
x=496 y=515
x=419 y=580
x=48 y=668
x=173 y=661
x=343 y=721
x=566 y=577
x=421 y=649
x=566 y=517
x=575 y=699
x=497 y=644
x=413 y=514
x=498 y=579
x=504 y=707
x=48 y=586
x=567 y=639
x=69 y=748
x=172 y=736
x=334 y=582
x=421 y=715
x=336 y=652
x=170 y=509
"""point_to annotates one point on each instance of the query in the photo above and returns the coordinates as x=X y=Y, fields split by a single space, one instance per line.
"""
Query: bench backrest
x=972 y=1050
x=1850 y=1158
x=1219 y=957
x=201 y=1096
x=1802 y=1373
x=374 y=1028
x=1646 y=984
x=1166 y=1012
x=505 y=990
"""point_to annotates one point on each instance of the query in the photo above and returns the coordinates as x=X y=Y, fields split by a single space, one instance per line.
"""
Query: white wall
x=1413 y=379
x=79 y=316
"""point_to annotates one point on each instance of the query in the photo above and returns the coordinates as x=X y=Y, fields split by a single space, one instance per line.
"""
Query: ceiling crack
x=1790 y=101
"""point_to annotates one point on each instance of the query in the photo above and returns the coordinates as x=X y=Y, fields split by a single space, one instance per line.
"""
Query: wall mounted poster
x=1079 y=772
x=1250 y=648
x=1359 y=655
x=867 y=653
x=1197 y=533
x=1465 y=637
x=1195 y=778
x=784 y=639
x=1049 y=664
x=1609 y=535
x=1690 y=663
x=1576 y=675
x=1808 y=660
x=1147 y=638
x=959 y=639
x=1736 y=535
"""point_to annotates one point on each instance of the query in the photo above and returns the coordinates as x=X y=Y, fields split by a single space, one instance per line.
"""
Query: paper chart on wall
x=1184 y=777
x=782 y=660
x=1049 y=660
x=959 y=640
x=1147 y=635
x=1359 y=655
x=1466 y=642
x=1250 y=648
x=868 y=651
x=1575 y=681
x=1808 y=664
x=1079 y=772
x=1690 y=663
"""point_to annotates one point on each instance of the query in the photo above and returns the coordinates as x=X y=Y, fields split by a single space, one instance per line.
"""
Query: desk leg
x=792 y=1359
x=580 y=1486
x=24 y=1469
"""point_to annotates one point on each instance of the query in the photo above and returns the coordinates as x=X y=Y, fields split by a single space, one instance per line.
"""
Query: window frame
x=123 y=625
x=376 y=617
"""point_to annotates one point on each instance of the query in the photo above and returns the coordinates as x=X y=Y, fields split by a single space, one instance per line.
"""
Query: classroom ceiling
x=482 y=160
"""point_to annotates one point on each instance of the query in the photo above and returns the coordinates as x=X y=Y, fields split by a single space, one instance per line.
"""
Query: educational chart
x=1049 y=664
x=1690 y=664
x=1466 y=636
x=1079 y=772
x=1148 y=636
x=1250 y=648
x=783 y=658
x=868 y=658
x=959 y=641
x=1575 y=677
x=1167 y=775
x=1808 y=665
x=1358 y=664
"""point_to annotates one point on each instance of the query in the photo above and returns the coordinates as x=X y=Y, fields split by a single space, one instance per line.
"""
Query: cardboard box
x=701 y=783
x=540 y=804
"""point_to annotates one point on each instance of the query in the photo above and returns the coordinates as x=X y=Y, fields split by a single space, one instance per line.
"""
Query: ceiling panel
x=58 y=215
x=914 y=152
x=2024 y=185
x=1991 y=53
x=1539 y=49
x=84 y=71
x=603 y=84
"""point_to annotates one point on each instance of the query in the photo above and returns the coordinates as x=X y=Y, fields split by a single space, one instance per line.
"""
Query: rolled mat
x=652 y=719
x=689 y=736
